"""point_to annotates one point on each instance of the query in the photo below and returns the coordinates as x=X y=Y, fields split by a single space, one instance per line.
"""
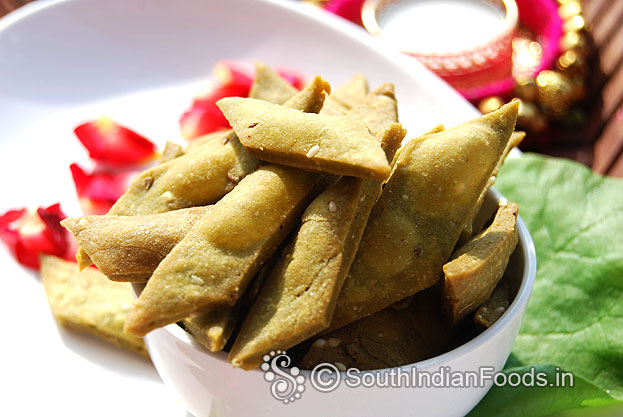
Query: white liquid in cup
x=441 y=26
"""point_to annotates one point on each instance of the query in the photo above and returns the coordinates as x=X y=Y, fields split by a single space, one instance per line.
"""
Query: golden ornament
x=569 y=9
x=554 y=91
x=575 y=23
x=575 y=41
x=572 y=64
x=489 y=104
x=526 y=89
x=530 y=118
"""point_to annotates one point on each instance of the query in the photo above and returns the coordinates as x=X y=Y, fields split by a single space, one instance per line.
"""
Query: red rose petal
x=201 y=120
x=293 y=77
x=227 y=73
x=98 y=191
x=113 y=144
x=204 y=116
x=28 y=234
x=8 y=234
x=55 y=233
x=348 y=9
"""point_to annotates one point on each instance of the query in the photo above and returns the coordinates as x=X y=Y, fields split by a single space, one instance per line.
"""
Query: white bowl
x=210 y=386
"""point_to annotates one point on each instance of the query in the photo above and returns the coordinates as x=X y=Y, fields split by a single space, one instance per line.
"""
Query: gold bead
x=575 y=23
x=526 y=89
x=575 y=41
x=567 y=60
x=572 y=64
x=569 y=9
x=489 y=104
x=554 y=91
x=530 y=118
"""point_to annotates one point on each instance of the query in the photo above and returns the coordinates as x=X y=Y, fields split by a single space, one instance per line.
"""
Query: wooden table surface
x=604 y=130
x=601 y=140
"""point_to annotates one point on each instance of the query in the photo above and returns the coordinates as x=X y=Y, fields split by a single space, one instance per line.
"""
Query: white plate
x=140 y=62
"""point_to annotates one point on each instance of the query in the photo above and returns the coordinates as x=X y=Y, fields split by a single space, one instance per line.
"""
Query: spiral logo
x=286 y=386
x=325 y=377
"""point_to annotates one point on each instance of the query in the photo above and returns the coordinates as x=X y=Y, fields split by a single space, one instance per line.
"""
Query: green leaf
x=507 y=401
x=575 y=315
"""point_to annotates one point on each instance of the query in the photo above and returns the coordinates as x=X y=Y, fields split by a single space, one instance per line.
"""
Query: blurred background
x=562 y=58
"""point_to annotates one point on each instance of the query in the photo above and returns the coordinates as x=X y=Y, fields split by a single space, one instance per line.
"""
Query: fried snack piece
x=345 y=96
x=349 y=93
x=221 y=135
x=377 y=109
x=171 y=151
x=212 y=329
x=203 y=176
x=299 y=296
x=129 y=248
x=309 y=100
x=514 y=141
x=402 y=304
x=385 y=339
x=197 y=178
x=476 y=267
x=494 y=307
x=269 y=86
x=435 y=182
x=214 y=262
x=336 y=145
x=87 y=301
x=295 y=302
x=333 y=108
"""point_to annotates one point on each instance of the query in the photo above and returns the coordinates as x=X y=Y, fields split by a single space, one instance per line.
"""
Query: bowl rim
x=528 y=251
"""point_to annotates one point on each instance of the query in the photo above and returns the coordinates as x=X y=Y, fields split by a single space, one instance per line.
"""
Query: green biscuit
x=435 y=183
x=339 y=145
